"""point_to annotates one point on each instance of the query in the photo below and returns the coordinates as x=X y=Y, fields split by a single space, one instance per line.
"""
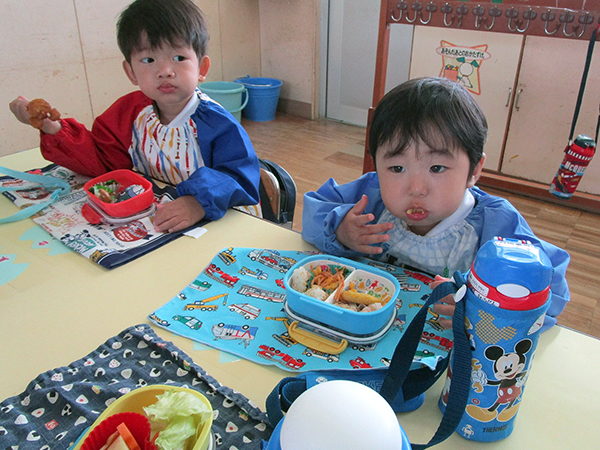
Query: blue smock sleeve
x=495 y=216
x=325 y=208
x=231 y=172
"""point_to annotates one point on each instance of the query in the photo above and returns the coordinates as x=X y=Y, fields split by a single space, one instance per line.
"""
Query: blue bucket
x=263 y=94
x=228 y=94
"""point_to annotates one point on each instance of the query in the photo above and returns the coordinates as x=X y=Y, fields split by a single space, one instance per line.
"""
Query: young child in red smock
x=168 y=129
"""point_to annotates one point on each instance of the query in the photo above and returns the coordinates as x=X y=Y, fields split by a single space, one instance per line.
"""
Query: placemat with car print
x=60 y=404
x=107 y=244
x=237 y=305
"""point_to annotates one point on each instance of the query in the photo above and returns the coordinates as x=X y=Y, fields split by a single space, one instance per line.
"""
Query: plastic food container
x=134 y=402
x=131 y=207
x=137 y=424
x=330 y=320
x=95 y=215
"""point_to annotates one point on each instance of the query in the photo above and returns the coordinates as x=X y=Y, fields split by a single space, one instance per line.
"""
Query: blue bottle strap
x=280 y=398
x=461 y=377
x=415 y=381
x=62 y=188
x=461 y=364
x=399 y=369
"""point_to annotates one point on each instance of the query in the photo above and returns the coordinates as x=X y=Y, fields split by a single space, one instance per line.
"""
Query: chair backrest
x=271 y=187
x=277 y=193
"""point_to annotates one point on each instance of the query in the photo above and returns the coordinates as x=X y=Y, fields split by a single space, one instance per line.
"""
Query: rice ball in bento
x=317 y=293
x=299 y=279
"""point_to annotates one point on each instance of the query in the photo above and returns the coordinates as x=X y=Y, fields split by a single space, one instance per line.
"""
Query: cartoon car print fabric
x=236 y=304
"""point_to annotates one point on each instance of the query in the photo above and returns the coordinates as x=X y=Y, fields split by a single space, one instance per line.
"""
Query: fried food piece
x=352 y=295
x=40 y=109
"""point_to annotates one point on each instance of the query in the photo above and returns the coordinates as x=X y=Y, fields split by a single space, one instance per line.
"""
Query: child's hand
x=354 y=233
x=181 y=213
x=20 y=108
x=446 y=306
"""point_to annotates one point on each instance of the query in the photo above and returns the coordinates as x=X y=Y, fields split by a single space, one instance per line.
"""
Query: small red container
x=125 y=208
x=138 y=425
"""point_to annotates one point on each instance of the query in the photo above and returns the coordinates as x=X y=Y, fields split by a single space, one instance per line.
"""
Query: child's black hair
x=428 y=109
x=174 y=22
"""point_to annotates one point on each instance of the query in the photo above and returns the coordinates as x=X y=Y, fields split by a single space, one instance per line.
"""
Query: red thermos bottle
x=579 y=152
x=578 y=155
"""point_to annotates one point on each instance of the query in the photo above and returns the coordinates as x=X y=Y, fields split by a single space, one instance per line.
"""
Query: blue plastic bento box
x=327 y=316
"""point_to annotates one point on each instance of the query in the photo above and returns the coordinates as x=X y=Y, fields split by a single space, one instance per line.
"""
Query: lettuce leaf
x=176 y=435
x=176 y=416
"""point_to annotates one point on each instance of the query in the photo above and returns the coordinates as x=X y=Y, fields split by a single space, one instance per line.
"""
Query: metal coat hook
x=585 y=20
x=493 y=12
x=548 y=17
x=512 y=13
x=447 y=9
x=416 y=7
x=430 y=8
x=461 y=10
x=528 y=15
x=478 y=12
x=401 y=6
x=565 y=18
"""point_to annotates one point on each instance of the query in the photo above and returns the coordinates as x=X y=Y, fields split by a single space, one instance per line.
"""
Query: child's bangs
x=152 y=25
x=438 y=135
x=435 y=134
x=155 y=36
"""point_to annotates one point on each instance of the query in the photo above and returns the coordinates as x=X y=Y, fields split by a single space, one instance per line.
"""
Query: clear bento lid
x=95 y=215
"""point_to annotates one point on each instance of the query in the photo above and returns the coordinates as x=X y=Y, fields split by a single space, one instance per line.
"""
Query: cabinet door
x=486 y=63
x=547 y=90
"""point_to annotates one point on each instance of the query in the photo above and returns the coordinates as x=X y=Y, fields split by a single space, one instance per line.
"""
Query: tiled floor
x=313 y=151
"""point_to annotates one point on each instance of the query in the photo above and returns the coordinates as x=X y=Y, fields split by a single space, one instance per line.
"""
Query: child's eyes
x=437 y=169
x=149 y=60
x=397 y=169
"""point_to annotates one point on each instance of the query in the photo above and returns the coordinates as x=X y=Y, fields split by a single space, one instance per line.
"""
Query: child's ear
x=476 y=172
x=129 y=72
x=204 y=66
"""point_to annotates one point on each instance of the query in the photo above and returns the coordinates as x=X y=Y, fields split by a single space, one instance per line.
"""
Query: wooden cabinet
x=546 y=93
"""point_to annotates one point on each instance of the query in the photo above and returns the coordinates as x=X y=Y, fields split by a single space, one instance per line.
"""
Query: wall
x=289 y=42
x=66 y=52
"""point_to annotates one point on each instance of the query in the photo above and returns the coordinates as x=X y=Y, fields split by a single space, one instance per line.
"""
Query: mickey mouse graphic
x=510 y=378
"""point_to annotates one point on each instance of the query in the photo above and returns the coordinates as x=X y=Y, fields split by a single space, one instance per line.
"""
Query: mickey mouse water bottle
x=506 y=301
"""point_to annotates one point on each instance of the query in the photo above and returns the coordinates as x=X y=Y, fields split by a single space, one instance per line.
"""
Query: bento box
x=342 y=298
x=139 y=204
x=132 y=404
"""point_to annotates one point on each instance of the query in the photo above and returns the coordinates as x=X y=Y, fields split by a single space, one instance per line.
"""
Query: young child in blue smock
x=168 y=129
x=421 y=207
